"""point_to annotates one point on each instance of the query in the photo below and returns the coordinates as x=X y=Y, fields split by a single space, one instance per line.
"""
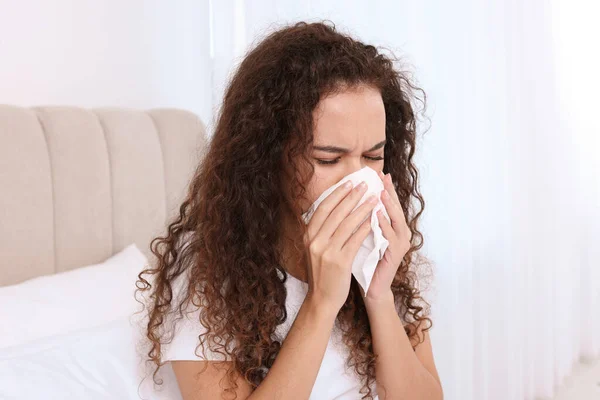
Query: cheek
x=320 y=181
x=309 y=197
x=317 y=185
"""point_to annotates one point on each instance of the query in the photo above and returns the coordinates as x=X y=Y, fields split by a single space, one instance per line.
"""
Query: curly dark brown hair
x=231 y=216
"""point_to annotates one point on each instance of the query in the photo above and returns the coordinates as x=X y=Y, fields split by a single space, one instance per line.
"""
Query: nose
x=356 y=166
x=349 y=170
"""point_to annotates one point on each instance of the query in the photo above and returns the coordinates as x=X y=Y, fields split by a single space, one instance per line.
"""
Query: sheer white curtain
x=509 y=171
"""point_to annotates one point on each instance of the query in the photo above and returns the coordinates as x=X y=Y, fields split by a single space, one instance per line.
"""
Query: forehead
x=349 y=115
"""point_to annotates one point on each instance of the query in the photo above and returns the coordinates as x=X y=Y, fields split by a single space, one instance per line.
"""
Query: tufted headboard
x=78 y=185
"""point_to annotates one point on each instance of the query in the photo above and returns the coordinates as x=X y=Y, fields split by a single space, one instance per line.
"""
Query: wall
x=132 y=53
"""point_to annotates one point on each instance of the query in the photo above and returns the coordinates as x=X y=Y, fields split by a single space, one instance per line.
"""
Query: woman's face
x=349 y=134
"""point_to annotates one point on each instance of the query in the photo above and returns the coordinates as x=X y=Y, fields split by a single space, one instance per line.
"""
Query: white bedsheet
x=91 y=364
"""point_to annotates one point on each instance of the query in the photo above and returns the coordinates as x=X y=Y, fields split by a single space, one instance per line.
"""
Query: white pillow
x=68 y=301
x=99 y=363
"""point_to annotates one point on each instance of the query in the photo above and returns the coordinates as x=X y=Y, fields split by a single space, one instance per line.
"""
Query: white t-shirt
x=334 y=380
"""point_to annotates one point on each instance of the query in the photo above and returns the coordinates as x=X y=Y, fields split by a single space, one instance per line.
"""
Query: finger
x=389 y=232
x=385 y=225
x=363 y=213
x=391 y=190
x=398 y=221
x=350 y=248
x=340 y=212
x=326 y=207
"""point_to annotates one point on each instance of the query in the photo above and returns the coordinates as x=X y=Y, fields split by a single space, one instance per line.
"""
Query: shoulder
x=208 y=378
x=179 y=329
x=185 y=329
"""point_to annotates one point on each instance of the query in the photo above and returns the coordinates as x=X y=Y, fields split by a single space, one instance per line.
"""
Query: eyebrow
x=335 y=149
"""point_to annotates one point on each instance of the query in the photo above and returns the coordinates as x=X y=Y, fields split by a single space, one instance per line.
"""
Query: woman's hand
x=399 y=236
x=334 y=236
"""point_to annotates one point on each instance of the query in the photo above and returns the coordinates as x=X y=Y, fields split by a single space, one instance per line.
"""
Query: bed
x=83 y=191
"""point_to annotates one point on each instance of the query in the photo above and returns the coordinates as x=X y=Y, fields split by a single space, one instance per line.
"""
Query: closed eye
x=329 y=162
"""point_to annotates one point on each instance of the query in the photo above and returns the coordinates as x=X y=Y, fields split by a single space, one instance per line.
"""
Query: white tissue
x=374 y=246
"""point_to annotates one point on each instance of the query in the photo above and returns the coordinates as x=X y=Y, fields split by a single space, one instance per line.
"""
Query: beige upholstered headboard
x=78 y=185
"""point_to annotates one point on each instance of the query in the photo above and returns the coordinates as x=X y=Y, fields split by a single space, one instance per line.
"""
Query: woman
x=271 y=308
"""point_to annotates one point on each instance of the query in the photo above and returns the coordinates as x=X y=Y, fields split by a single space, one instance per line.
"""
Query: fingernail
x=385 y=194
x=372 y=199
x=362 y=185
